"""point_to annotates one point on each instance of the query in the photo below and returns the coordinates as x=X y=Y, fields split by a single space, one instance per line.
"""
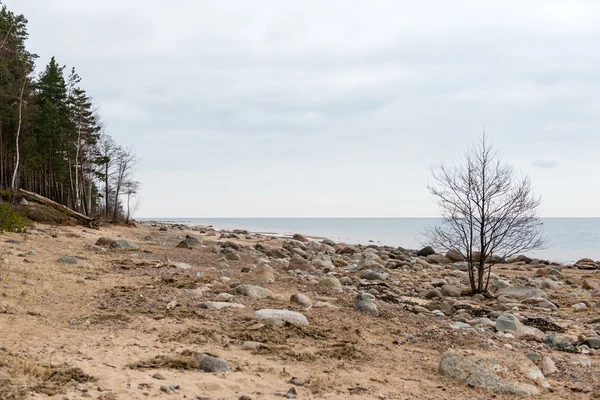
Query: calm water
x=570 y=238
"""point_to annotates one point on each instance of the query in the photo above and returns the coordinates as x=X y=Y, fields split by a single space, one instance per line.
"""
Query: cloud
x=546 y=164
x=294 y=96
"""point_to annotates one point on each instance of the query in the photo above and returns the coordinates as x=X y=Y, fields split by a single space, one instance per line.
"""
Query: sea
x=569 y=239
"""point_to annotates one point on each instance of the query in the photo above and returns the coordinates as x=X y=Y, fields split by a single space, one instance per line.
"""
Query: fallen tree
x=84 y=219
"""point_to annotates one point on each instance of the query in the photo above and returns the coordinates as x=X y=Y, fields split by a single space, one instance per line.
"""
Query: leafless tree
x=125 y=163
x=131 y=189
x=488 y=213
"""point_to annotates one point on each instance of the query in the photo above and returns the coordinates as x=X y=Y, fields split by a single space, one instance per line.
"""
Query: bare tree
x=131 y=189
x=124 y=164
x=488 y=213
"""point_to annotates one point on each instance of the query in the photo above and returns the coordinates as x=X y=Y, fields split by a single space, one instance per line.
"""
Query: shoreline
x=279 y=235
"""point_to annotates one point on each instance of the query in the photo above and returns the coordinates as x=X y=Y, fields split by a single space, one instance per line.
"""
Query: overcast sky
x=277 y=108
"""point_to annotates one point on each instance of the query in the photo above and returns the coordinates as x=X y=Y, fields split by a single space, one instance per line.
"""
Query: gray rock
x=209 y=363
x=556 y=342
x=592 y=343
x=508 y=322
x=373 y=276
x=254 y=292
x=330 y=281
x=460 y=266
x=301 y=299
x=462 y=325
x=426 y=251
x=123 y=245
x=480 y=372
x=364 y=303
x=548 y=367
x=523 y=292
x=280 y=317
x=68 y=260
x=451 y=291
x=179 y=265
x=104 y=242
x=219 y=305
x=94 y=248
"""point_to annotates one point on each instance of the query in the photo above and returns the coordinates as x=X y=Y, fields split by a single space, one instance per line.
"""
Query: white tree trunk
x=16 y=171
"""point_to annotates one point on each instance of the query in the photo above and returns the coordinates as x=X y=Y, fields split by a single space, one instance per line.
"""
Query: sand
x=84 y=330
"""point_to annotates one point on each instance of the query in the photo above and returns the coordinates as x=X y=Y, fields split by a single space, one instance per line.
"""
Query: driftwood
x=84 y=219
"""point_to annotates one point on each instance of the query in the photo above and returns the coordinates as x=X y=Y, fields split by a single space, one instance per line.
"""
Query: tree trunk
x=14 y=177
x=91 y=222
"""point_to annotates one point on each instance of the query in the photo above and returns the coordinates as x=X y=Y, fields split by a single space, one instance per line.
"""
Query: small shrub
x=10 y=220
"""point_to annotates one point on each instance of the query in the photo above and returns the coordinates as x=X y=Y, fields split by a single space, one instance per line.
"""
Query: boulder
x=300 y=238
x=280 y=317
x=104 y=242
x=548 y=367
x=437 y=259
x=210 y=363
x=426 y=251
x=254 y=292
x=301 y=300
x=373 y=276
x=264 y=273
x=450 y=291
x=68 y=260
x=454 y=256
x=123 y=245
x=590 y=284
x=218 y=305
x=365 y=304
x=518 y=377
x=330 y=281
x=556 y=342
x=508 y=322
x=521 y=292
x=301 y=264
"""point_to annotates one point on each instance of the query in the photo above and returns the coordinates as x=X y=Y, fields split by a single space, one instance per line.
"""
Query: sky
x=289 y=108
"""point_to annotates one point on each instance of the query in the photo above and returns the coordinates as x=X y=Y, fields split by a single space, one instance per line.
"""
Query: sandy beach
x=125 y=323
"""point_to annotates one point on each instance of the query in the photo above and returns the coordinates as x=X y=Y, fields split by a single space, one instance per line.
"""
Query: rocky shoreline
x=546 y=310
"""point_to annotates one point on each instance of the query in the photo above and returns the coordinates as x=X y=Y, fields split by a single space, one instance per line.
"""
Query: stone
x=13 y=241
x=451 y=291
x=592 y=342
x=556 y=342
x=300 y=238
x=506 y=322
x=365 y=304
x=454 y=256
x=219 y=305
x=373 y=276
x=264 y=273
x=280 y=317
x=579 y=306
x=548 y=367
x=444 y=307
x=481 y=372
x=254 y=292
x=104 y=242
x=530 y=334
x=180 y=265
x=158 y=376
x=460 y=266
x=426 y=251
x=590 y=284
x=210 y=363
x=123 y=245
x=301 y=299
x=434 y=294
x=437 y=259
x=68 y=260
x=581 y=361
x=522 y=292
x=300 y=264
x=330 y=281
x=462 y=325
x=94 y=248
